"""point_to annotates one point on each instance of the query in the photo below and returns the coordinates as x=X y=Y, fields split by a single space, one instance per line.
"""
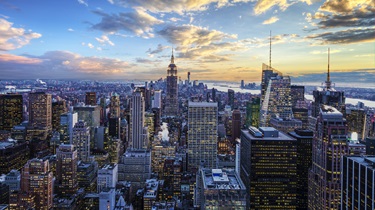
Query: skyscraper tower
x=137 y=132
x=58 y=108
x=10 y=111
x=66 y=170
x=114 y=109
x=40 y=110
x=171 y=105
x=90 y=98
x=329 y=145
x=202 y=134
x=328 y=96
x=81 y=140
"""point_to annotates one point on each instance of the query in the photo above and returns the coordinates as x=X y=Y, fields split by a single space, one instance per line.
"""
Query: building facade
x=40 y=110
x=171 y=102
x=11 y=111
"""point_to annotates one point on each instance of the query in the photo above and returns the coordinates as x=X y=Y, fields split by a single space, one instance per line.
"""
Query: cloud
x=13 y=38
x=70 y=29
x=324 y=52
x=349 y=36
x=174 y=19
x=145 y=61
x=90 y=45
x=158 y=50
x=273 y=19
x=83 y=2
x=104 y=40
x=138 y=22
x=345 y=6
x=264 y=5
x=61 y=64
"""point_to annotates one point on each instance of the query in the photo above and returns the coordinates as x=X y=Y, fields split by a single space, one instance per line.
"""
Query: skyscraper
x=236 y=125
x=66 y=170
x=231 y=98
x=10 y=111
x=90 y=98
x=202 y=134
x=171 y=105
x=137 y=133
x=329 y=145
x=81 y=140
x=269 y=168
x=114 y=108
x=58 y=108
x=40 y=110
x=253 y=112
x=156 y=102
x=267 y=73
x=298 y=94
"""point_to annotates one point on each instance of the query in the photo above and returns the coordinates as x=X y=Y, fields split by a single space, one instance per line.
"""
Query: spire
x=270 y=48
x=328 y=82
x=172 y=57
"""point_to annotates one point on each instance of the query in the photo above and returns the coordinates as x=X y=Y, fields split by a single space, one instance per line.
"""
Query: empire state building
x=171 y=105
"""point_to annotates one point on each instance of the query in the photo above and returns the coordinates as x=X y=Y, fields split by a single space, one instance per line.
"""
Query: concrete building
x=81 y=140
x=107 y=177
x=137 y=133
x=285 y=125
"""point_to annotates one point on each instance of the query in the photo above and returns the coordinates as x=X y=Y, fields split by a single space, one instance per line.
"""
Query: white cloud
x=271 y=20
x=12 y=38
x=70 y=29
x=83 y=2
x=90 y=45
x=104 y=40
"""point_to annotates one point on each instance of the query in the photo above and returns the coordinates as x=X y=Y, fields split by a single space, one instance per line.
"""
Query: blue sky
x=213 y=39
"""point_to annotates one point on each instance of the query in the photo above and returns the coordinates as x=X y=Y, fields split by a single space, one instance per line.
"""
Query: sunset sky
x=213 y=39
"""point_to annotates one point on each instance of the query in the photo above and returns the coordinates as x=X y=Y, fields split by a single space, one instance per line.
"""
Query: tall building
x=137 y=133
x=253 y=112
x=217 y=187
x=298 y=94
x=357 y=184
x=90 y=98
x=40 y=110
x=171 y=103
x=66 y=170
x=58 y=108
x=269 y=168
x=267 y=73
x=328 y=96
x=67 y=122
x=277 y=100
x=11 y=111
x=304 y=161
x=231 y=98
x=114 y=108
x=156 y=101
x=285 y=125
x=356 y=121
x=13 y=155
x=202 y=134
x=81 y=140
x=329 y=145
x=36 y=180
x=107 y=177
x=236 y=125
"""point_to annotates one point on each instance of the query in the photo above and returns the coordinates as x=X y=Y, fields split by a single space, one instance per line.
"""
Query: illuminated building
x=269 y=168
x=356 y=121
x=159 y=152
x=114 y=107
x=137 y=134
x=90 y=98
x=202 y=134
x=303 y=115
x=87 y=176
x=40 y=110
x=267 y=73
x=67 y=122
x=219 y=188
x=236 y=125
x=253 y=112
x=13 y=155
x=36 y=180
x=171 y=102
x=135 y=166
x=285 y=125
x=13 y=180
x=107 y=199
x=150 y=124
x=66 y=170
x=151 y=193
x=304 y=160
x=370 y=146
x=81 y=140
x=107 y=177
x=329 y=145
x=58 y=108
x=10 y=111
x=298 y=94
x=156 y=102
x=357 y=184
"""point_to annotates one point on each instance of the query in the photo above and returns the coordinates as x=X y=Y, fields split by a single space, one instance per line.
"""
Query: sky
x=213 y=39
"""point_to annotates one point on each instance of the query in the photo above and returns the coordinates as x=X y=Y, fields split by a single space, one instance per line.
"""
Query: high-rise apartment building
x=269 y=168
x=329 y=145
x=40 y=110
x=90 y=98
x=66 y=170
x=171 y=102
x=202 y=134
x=81 y=140
x=11 y=111
x=137 y=132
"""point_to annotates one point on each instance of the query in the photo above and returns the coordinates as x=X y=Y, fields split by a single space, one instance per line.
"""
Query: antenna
x=172 y=57
x=328 y=82
x=270 y=48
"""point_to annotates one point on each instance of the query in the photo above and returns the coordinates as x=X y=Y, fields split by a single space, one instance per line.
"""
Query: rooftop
x=254 y=134
x=221 y=179
x=202 y=104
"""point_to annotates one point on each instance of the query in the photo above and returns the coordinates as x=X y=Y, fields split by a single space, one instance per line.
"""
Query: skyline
x=118 y=39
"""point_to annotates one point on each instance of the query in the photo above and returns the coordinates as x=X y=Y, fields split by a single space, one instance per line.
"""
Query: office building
x=137 y=133
x=202 y=134
x=303 y=115
x=114 y=107
x=356 y=121
x=171 y=101
x=67 y=122
x=269 y=168
x=298 y=94
x=81 y=140
x=13 y=155
x=87 y=176
x=135 y=166
x=329 y=145
x=107 y=177
x=40 y=110
x=66 y=170
x=151 y=193
x=156 y=100
x=11 y=111
x=357 y=184
x=89 y=114
x=267 y=73
x=236 y=125
x=231 y=98
x=285 y=125
x=219 y=188
x=253 y=112
x=58 y=108
x=370 y=146
x=90 y=98
x=107 y=199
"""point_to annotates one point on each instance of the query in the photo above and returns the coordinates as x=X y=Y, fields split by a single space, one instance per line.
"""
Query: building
x=114 y=107
x=135 y=166
x=67 y=122
x=58 y=108
x=370 y=146
x=253 y=112
x=277 y=100
x=13 y=180
x=269 y=168
x=87 y=175
x=356 y=121
x=298 y=94
x=13 y=155
x=137 y=133
x=303 y=115
x=219 y=188
x=40 y=110
x=66 y=170
x=285 y=125
x=171 y=101
x=81 y=140
x=90 y=98
x=107 y=199
x=36 y=180
x=357 y=183
x=11 y=111
x=267 y=73
x=329 y=145
x=202 y=134
x=151 y=193
x=107 y=177
x=156 y=100
x=304 y=160
x=231 y=98
x=236 y=125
